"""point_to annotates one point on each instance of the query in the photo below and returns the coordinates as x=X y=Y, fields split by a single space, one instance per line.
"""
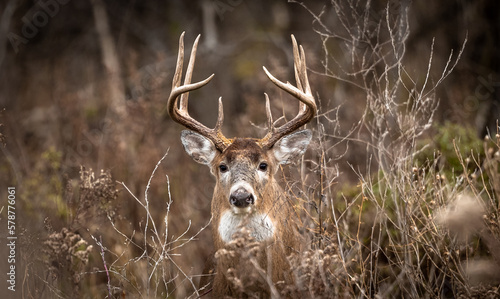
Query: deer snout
x=241 y=198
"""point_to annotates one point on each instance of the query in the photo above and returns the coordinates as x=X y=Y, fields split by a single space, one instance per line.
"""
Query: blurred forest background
x=83 y=89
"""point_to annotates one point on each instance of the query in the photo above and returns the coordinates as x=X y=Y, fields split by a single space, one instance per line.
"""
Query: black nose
x=241 y=198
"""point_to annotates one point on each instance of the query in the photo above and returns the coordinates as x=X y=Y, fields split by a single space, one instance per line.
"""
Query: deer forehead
x=243 y=149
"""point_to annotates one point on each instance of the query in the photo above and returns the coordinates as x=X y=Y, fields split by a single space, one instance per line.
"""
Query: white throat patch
x=260 y=225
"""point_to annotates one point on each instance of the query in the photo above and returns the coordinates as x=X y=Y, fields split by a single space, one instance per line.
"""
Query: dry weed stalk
x=241 y=263
x=163 y=276
x=97 y=195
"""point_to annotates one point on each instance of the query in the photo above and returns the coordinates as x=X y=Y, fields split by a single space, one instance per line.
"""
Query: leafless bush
x=320 y=273
x=146 y=263
x=66 y=253
x=388 y=227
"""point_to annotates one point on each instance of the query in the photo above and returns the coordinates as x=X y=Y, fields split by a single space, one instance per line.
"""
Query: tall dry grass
x=413 y=226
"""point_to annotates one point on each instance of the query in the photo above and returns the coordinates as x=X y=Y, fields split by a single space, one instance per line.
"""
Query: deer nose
x=241 y=198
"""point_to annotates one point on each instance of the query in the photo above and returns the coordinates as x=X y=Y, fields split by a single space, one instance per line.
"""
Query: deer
x=246 y=193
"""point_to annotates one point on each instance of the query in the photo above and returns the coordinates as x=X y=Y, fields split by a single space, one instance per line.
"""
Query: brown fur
x=272 y=202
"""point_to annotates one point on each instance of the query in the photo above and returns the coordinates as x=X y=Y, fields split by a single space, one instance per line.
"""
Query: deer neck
x=260 y=226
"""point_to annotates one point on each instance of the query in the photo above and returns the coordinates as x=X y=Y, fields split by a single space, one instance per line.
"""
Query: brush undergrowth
x=421 y=220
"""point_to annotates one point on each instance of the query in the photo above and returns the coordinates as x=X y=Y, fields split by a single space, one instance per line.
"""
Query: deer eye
x=263 y=166
x=223 y=168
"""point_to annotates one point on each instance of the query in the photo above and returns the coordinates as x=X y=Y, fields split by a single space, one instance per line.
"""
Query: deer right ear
x=200 y=148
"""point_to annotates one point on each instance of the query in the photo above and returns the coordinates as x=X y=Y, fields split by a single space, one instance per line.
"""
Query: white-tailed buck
x=246 y=192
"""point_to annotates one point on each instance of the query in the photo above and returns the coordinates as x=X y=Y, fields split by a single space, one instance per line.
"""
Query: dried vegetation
x=417 y=218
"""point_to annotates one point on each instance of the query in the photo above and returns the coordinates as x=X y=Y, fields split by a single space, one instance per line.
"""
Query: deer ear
x=291 y=147
x=200 y=148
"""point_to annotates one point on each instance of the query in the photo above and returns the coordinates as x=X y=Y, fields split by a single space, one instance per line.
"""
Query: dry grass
x=410 y=226
x=439 y=240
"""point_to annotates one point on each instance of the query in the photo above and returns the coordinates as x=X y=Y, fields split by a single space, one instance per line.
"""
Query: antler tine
x=300 y=70
x=307 y=106
x=176 y=81
x=177 y=88
x=297 y=63
x=220 y=117
x=270 y=126
x=179 y=113
x=189 y=72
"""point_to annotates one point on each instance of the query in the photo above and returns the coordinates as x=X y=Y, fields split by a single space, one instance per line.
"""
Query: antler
x=307 y=106
x=179 y=112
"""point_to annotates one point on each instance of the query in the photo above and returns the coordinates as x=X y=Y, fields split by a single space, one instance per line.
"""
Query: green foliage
x=43 y=187
x=449 y=142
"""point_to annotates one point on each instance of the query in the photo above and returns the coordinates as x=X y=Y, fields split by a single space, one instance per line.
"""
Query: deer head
x=244 y=168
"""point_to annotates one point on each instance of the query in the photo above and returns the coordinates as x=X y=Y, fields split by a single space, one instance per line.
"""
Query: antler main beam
x=179 y=111
x=307 y=106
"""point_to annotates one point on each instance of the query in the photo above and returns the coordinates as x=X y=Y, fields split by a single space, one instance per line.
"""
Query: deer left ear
x=291 y=147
